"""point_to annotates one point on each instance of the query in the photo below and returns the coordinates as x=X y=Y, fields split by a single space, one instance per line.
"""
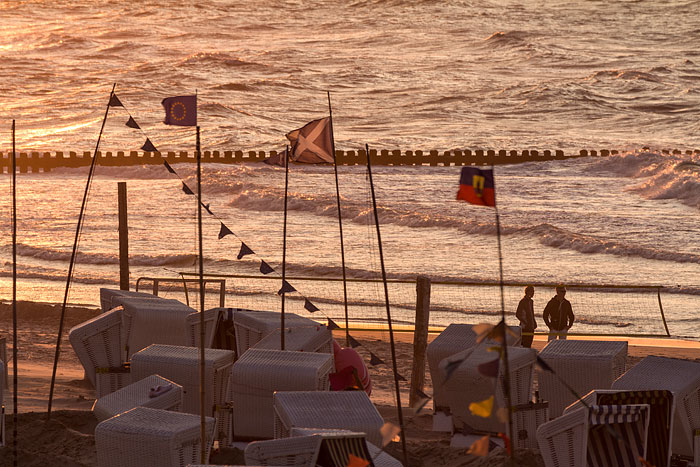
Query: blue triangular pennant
x=331 y=325
x=265 y=268
x=245 y=250
x=286 y=288
x=114 y=101
x=310 y=307
x=224 y=231
x=131 y=123
x=148 y=146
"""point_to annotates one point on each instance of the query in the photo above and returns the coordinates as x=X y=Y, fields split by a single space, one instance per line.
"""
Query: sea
x=409 y=75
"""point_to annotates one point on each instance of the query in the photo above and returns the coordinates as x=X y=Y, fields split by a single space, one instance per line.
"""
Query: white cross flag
x=312 y=143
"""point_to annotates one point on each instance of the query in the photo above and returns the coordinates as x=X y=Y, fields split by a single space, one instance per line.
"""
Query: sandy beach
x=68 y=438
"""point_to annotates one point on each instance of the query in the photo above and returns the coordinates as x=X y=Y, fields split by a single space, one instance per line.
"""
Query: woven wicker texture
x=301 y=451
x=682 y=377
x=107 y=296
x=138 y=395
x=252 y=326
x=192 y=327
x=467 y=385
x=584 y=365
x=378 y=457
x=261 y=372
x=316 y=338
x=453 y=339
x=152 y=321
x=151 y=437
x=97 y=342
x=351 y=410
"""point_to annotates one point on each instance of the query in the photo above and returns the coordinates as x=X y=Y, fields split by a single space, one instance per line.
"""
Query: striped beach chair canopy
x=617 y=435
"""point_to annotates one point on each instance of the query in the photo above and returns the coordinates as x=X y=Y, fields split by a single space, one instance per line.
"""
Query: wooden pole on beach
x=74 y=253
x=202 y=330
x=14 y=300
x=340 y=224
x=420 y=339
x=388 y=314
x=284 y=244
x=123 y=238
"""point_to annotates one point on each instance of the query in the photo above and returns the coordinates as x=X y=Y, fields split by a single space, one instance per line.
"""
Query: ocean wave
x=49 y=254
x=218 y=59
x=56 y=276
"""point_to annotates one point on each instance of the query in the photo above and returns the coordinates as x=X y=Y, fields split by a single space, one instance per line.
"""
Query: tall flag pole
x=113 y=102
x=182 y=111
x=388 y=313
x=14 y=300
x=284 y=246
x=478 y=186
x=340 y=224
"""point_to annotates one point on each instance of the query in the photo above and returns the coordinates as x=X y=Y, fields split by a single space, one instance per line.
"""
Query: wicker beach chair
x=151 y=437
x=316 y=338
x=453 y=339
x=251 y=326
x=149 y=321
x=181 y=365
x=347 y=410
x=97 y=344
x=467 y=385
x=2 y=404
x=584 y=365
x=301 y=451
x=107 y=297
x=192 y=327
x=682 y=378
x=259 y=373
x=340 y=443
x=140 y=394
x=661 y=410
x=602 y=436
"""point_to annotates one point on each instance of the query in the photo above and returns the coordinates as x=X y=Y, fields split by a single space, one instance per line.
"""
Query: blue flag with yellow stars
x=180 y=110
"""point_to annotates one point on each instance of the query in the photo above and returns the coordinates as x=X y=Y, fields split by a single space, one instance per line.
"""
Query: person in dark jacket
x=526 y=315
x=558 y=315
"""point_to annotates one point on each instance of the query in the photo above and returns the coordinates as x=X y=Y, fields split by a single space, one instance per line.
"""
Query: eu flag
x=476 y=186
x=180 y=110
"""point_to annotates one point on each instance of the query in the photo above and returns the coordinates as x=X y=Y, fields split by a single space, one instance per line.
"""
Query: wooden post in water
x=123 y=238
x=420 y=339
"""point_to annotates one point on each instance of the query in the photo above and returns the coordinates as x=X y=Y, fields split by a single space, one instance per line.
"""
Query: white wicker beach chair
x=151 y=437
x=97 y=343
x=301 y=451
x=251 y=326
x=107 y=296
x=192 y=326
x=682 y=377
x=149 y=321
x=316 y=338
x=259 y=373
x=453 y=339
x=467 y=385
x=344 y=442
x=584 y=365
x=2 y=404
x=602 y=436
x=140 y=394
x=348 y=410
x=661 y=409
x=181 y=365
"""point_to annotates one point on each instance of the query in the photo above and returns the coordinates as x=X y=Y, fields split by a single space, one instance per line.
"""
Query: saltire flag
x=313 y=142
x=180 y=110
x=476 y=186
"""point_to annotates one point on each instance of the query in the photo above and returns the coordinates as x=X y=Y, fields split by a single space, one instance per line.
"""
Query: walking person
x=558 y=315
x=526 y=315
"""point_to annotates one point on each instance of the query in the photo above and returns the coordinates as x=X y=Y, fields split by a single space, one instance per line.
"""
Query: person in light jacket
x=558 y=315
x=526 y=315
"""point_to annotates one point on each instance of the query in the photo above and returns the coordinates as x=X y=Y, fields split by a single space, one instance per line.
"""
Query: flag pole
x=504 y=345
x=202 y=330
x=388 y=313
x=73 y=255
x=340 y=225
x=14 y=300
x=284 y=244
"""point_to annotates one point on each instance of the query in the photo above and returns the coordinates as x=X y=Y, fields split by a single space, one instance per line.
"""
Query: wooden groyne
x=36 y=162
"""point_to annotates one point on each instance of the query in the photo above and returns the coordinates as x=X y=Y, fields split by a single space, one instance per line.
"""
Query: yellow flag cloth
x=483 y=408
x=354 y=461
x=480 y=447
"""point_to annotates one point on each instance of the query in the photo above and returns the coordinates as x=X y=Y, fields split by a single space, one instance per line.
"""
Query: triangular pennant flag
x=167 y=166
x=223 y=231
x=186 y=189
x=331 y=325
x=389 y=432
x=206 y=208
x=482 y=331
x=400 y=378
x=286 y=288
x=451 y=366
x=310 y=307
x=354 y=461
x=353 y=342
x=265 y=268
x=480 y=447
x=245 y=250
x=542 y=364
x=489 y=369
x=498 y=333
x=374 y=360
x=148 y=146
x=482 y=409
x=131 y=123
x=114 y=101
